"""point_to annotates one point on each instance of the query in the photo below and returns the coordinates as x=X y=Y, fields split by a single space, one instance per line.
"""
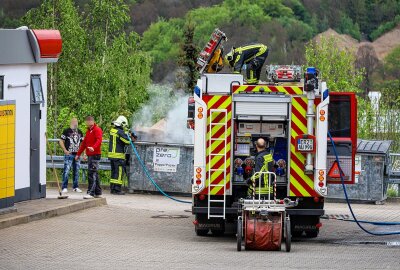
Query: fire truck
x=228 y=116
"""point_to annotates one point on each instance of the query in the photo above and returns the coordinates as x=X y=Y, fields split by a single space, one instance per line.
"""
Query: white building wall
x=20 y=75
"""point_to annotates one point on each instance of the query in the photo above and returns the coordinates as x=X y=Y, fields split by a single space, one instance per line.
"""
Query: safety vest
x=116 y=146
x=266 y=188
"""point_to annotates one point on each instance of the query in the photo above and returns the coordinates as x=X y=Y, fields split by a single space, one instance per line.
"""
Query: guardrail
x=58 y=160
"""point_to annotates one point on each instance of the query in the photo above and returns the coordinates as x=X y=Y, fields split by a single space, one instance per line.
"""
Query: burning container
x=169 y=164
x=372 y=173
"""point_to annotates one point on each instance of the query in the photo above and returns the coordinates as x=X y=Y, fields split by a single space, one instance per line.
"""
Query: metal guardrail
x=59 y=162
x=394 y=168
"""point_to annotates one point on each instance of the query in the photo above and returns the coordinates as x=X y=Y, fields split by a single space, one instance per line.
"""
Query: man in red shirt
x=92 y=145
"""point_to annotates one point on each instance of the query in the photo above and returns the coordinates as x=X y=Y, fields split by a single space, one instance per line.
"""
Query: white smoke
x=163 y=118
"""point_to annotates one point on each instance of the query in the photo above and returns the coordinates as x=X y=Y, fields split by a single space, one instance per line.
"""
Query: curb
x=52 y=212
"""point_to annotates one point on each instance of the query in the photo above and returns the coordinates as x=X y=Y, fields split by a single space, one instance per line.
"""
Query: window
x=36 y=88
x=1 y=87
x=339 y=116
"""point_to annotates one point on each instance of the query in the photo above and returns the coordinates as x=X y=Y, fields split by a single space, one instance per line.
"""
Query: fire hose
x=146 y=171
x=359 y=222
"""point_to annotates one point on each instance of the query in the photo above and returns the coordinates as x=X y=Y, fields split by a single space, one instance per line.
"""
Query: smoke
x=163 y=118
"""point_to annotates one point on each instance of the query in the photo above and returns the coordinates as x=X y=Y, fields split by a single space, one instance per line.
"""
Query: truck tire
x=288 y=235
x=239 y=234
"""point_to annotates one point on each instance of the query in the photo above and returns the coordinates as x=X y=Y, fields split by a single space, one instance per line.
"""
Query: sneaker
x=78 y=190
x=88 y=196
x=119 y=193
x=64 y=190
x=98 y=196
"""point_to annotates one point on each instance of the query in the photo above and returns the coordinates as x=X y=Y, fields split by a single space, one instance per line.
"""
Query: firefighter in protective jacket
x=253 y=56
x=116 y=153
x=261 y=184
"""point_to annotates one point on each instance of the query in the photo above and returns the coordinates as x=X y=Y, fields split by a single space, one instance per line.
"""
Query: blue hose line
x=151 y=178
x=376 y=223
x=351 y=209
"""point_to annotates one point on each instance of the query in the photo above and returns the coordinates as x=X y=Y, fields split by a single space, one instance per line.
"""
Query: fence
x=172 y=173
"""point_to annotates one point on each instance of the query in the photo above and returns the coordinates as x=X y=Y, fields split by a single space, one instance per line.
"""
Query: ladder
x=211 y=199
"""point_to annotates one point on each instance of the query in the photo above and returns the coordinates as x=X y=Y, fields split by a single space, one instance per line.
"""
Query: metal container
x=372 y=182
x=171 y=167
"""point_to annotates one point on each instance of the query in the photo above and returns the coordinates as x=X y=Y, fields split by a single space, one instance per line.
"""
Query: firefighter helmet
x=229 y=56
x=121 y=121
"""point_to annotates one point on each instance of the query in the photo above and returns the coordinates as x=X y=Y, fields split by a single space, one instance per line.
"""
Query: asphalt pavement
x=152 y=232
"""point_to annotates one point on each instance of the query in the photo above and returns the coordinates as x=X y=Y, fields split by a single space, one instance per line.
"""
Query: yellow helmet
x=229 y=56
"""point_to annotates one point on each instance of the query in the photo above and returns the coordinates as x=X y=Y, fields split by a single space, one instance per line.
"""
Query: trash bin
x=170 y=165
x=371 y=184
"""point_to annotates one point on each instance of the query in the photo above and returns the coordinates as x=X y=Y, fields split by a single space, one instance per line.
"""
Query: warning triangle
x=335 y=171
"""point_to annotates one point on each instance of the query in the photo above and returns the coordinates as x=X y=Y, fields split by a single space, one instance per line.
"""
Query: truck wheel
x=288 y=235
x=200 y=232
x=239 y=234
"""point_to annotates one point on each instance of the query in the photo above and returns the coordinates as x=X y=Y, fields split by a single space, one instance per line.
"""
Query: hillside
x=284 y=25
x=381 y=46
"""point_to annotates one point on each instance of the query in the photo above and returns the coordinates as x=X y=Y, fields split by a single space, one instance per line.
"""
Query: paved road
x=127 y=234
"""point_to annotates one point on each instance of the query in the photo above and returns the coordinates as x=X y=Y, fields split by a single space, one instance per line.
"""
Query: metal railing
x=58 y=160
x=394 y=171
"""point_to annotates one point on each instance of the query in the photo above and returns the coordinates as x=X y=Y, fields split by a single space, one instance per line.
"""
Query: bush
x=392 y=193
x=385 y=27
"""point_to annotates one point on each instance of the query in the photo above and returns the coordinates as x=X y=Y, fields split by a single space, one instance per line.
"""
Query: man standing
x=263 y=163
x=70 y=141
x=253 y=56
x=116 y=153
x=92 y=145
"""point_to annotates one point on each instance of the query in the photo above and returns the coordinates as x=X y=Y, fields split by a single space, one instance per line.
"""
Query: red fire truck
x=229 y=116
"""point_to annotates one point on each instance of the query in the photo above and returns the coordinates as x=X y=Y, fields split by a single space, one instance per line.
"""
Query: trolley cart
x=263 y=223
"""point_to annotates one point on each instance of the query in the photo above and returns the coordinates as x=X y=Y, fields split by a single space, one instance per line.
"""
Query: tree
x=63 y=77
x=188 y=57
x=337 y=66
x=369 y=62
x=392 y=64
x=102 y=71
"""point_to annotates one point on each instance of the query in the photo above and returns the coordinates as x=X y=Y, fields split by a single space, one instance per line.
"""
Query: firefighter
x=263 y=163
x=253 y=56
x=116 y=153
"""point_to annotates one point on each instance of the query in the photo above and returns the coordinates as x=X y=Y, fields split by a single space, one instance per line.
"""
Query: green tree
x=337 y=66
x=392 y=64
x=188 y=57
x=102 y=70
x=63 y=78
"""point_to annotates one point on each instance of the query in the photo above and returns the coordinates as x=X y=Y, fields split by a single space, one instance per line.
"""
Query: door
x=35 y=157
x=36 y=101
x=342 y=124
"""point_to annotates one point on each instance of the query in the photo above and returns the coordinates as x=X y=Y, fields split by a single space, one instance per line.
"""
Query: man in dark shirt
x=70 y=141
x=263 y=163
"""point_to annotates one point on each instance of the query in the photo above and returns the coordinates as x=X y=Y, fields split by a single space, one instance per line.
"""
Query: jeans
x=69 y=161
x=94 y=187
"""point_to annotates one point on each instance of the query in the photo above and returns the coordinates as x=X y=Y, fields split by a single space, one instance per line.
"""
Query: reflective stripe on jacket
x=245 y=54
x=116 y=146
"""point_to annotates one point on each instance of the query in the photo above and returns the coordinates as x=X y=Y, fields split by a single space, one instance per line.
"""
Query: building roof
x=26 y=46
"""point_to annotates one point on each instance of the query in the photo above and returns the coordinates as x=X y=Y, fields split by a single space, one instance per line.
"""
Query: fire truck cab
x=228 y=116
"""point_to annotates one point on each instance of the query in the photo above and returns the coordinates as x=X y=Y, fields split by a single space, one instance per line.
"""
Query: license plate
x=305 y=144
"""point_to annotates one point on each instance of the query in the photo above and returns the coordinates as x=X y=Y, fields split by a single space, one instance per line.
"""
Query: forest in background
x=114 y=49
x=285 y=25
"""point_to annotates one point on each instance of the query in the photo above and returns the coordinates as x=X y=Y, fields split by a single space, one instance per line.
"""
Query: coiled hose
x=351 y=209
x=151 y=178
